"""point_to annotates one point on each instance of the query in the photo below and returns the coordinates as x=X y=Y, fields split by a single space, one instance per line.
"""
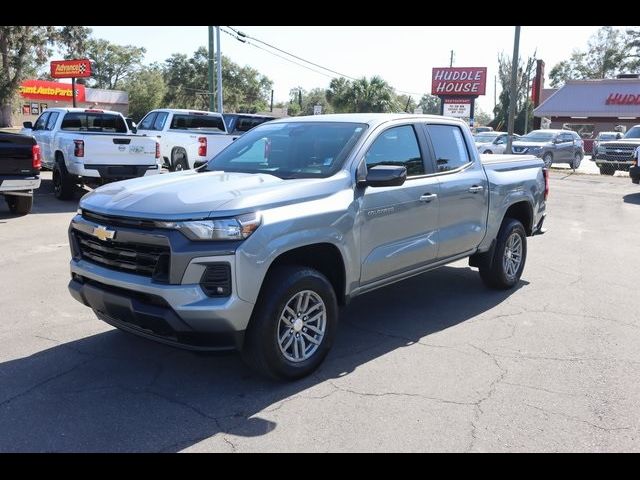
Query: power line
x=241 y=36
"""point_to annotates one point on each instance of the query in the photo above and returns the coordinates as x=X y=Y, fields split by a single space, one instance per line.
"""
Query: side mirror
x=134 y=130
x=28 y=125
x=386 y=176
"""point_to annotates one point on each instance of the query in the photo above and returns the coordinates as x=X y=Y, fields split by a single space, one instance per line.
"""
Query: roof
x=593 y=98
x=82 y=110
x=185 y=110
x=372 y=119
x=256 y=115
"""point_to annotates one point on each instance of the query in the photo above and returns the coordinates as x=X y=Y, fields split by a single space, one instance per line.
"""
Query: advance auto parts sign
x=71 y=68
x=468 y=81
x=46 y=90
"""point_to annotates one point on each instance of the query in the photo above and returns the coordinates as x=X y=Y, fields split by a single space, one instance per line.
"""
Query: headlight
x=237 y=228
x=535 y=149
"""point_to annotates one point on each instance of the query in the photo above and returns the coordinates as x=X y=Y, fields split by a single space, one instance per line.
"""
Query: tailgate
x=103 y=149
x=16 y=156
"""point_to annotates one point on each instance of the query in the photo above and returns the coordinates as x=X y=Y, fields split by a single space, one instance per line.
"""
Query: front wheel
x=577 y=159
x=293 y=324
x=548 y=160
x=19 y=205
x=507 y=264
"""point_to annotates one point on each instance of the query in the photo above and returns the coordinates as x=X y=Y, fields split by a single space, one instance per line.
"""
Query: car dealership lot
x=436 y=363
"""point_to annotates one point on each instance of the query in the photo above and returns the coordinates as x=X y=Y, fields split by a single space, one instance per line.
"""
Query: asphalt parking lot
x=436 y=363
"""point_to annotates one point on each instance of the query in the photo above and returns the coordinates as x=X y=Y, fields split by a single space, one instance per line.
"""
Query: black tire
x=64 y=186
x=547 y=158
x=19 y=205
x=577 y=159
x=606 y=170
x=494 y=273
x=261 y=349
x=488 y=152
x=179 y=160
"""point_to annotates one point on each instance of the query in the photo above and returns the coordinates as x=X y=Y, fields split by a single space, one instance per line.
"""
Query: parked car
x=256 y=250
x=604 y=137
x=618 y=154
x=20 y=164
x=239 y=123
x=188 y=138
x=92 y=147
x=478 y=130
x=553 y=146
x=492 y=142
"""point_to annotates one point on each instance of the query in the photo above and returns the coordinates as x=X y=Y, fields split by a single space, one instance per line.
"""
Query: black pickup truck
x=20 y=163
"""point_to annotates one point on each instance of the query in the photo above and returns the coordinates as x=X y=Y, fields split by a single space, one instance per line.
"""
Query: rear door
x=464 y=192
x=399 y=228
x=564 y=149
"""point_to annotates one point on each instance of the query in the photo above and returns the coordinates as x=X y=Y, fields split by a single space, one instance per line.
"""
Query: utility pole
x=451 y=61
x=219 y=60
x=526 y=107
x=512 y=89
x=271 y=101
x=212 y=98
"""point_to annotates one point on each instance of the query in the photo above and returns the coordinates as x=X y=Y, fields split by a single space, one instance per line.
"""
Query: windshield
x=538 y=136
x=291 y=149
x=484 y=138
x=633 y=133
x=607 y=136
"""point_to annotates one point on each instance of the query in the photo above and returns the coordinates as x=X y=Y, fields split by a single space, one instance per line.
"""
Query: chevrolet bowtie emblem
x=103 y=233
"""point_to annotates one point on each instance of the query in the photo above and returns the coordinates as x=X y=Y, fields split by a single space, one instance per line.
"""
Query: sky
x=403 y=56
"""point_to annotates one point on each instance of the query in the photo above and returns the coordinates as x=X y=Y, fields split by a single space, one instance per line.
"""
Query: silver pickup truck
x=257 y=249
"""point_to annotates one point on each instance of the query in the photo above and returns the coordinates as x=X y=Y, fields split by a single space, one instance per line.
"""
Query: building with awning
x=592 y=106
x=38 y=95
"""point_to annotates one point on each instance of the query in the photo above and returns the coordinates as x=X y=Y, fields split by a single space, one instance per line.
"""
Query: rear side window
x=94 y=122
x=397 y=146
x=160 y=120
x=449 y=147
x=197 y=122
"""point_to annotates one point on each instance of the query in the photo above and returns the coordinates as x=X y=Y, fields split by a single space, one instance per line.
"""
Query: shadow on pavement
x=633 y=198
x=117 y=392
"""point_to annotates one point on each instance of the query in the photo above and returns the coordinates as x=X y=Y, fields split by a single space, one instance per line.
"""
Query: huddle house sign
x=623 y=99
x=467 y=81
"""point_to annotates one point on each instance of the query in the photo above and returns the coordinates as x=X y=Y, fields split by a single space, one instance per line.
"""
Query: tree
x=523 y=78
x=112 y=63
x=480 y=116
x=405 y=103
x=23 y=49
x=317 y=96
x=430 y=104
x=147 y=90
x=362 y=95
x=633 y=47
x=607 y=54
x=244 y=89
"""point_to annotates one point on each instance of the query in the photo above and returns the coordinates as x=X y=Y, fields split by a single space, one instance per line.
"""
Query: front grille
x=616 y=152
x=137 y=258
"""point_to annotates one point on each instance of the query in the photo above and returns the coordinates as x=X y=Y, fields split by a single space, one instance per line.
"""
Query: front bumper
x=634 y=173
x=616 y=164
x=180 y=315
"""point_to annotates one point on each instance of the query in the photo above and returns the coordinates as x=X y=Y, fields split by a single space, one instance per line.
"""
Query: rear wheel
x=19 y=205
x=293 y=324
x=548 y=159
x=179 y=160
x=64 y=186
x=487 y=152
x=505 y=268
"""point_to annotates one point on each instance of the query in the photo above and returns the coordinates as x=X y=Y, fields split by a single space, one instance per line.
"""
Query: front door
x=398 y=225
x=464 y=192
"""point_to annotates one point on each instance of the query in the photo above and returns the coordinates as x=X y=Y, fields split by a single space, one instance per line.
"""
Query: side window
x=501 y=139
x=147 y=122
x=566 y=137
x=53 y=118
x=397 y=146
x=449 y=147
x=41 y=122
x=160 y=120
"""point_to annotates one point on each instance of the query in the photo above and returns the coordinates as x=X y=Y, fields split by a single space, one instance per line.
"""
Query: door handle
x=476 y=188
x=427 y=197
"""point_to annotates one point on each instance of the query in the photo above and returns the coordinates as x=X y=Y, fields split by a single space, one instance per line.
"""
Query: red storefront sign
x=47 y=90
x=71 y=68
x=463 y=81
x=623 y=99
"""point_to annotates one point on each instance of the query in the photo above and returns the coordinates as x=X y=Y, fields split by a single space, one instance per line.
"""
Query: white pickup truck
x=91 y=147
x=188 y=138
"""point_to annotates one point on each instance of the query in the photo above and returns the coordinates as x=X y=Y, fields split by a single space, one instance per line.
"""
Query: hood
x=190 y=194
x=620 y=142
